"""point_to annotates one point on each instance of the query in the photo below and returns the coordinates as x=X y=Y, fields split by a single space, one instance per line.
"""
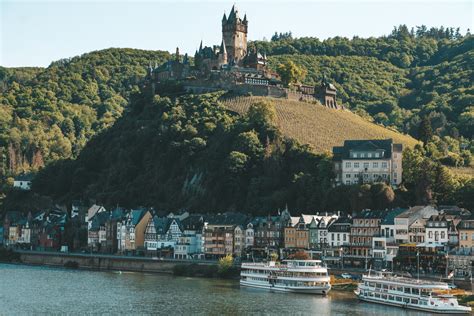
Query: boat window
x=415 y=291
x=378 y=285
x=371 y=284
x=425 y=292
x=414 y=301
x=399 y=299
x=384 y=296
x=407 y=290
x=377 y=295
x=385 y=286
x=406 y=300
x=371 y=294
x=393 y=287
x=399 y=288
x=391 y=297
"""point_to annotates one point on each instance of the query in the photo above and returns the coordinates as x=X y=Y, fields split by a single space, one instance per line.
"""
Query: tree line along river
x=26 y=290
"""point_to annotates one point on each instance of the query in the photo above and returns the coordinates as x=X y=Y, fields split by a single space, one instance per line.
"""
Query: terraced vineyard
x=318 y=126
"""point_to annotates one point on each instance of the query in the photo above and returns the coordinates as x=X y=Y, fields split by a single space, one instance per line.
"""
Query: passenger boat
x=298 y=276
x=389 y=289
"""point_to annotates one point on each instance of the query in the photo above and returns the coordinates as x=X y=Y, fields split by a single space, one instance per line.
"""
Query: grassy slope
x=320 y=127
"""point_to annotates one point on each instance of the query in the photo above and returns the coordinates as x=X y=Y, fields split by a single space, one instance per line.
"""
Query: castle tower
x=234 y=33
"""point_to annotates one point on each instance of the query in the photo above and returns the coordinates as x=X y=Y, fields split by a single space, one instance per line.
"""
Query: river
x=42 y=290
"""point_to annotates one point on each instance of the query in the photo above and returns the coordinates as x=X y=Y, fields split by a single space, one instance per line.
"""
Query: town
x=441 y=237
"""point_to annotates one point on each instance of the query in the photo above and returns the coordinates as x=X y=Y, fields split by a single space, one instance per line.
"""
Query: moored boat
x=428 y=296
x=298 y=276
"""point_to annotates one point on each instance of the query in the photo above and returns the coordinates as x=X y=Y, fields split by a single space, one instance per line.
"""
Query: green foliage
x=290 y=73
x=190 y=152
x=225 y=263
x=50 y=114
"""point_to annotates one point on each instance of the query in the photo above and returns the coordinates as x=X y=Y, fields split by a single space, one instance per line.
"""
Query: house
x=12 y=227
x=384 y=246
x=79 y=210
x=466 y=234
x=23 y=181
x=135 y=224
x=296 y=233
x=368 y=161
x=339 y=232
x=408 y=225
x=268 y=232
x=51 y=230
x=249 y=236
x=437 y=230
x=162 y=232
x=318 y=229
x=365 y=226
x=190 y=243
x=219 y=234
x=96 y=231
x=111 y=240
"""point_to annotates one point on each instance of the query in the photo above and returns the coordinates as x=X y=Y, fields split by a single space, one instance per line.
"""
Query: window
x=348 y=164
x=384 y=164
x=348 y=175
x=348 y=182
x=376 y=155
x=356 y=165
x=394 y=165
x=375 y=164
x=366 y=165
x=370 y=155
x=443 y=235
x=430 y=234
x=354 y=155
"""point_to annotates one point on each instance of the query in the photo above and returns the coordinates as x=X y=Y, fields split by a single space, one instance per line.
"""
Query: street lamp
x=341 y=254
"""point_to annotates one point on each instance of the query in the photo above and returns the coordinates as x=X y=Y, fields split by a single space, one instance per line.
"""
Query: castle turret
x=222 y=54
x=234 y=33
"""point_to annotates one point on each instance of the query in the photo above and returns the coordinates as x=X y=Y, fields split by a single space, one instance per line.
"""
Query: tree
x=425 y=132
x=382 y=196
x=291 y=73
x=225 y=264
x=262 y=113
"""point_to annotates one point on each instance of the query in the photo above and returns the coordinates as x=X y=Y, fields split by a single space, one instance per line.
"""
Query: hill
x=320 y=127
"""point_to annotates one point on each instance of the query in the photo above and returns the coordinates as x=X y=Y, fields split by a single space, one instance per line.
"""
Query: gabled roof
x=193 y=222
x=389 y=219
x=137 y=215
x=342 y=224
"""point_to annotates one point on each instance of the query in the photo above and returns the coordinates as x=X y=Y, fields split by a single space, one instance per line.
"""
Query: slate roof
x=137 y=215
x=228 y=219
x=371 y=214
x=341 y=225
x=193 y=222
x=389 y=219
x=24 y=177
x=343 y=152
x=99 y=220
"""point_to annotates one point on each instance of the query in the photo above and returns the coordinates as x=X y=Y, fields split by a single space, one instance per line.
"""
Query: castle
x=232 y=66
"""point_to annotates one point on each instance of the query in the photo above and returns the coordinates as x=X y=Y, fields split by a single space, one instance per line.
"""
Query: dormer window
x=370 y=155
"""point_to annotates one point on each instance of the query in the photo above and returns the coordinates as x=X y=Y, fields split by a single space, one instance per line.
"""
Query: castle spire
x=224 y=18
x=177 y=54
x=200 y=47
x=245 y=18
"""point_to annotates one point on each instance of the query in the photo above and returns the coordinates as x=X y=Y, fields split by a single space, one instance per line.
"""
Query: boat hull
x=409 y=306
x=321 y=290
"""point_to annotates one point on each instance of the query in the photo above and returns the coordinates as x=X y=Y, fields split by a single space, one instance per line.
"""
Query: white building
x=405 y=220
x=23 y=182
x=339 y=231
x=437 y=230
x=368 y=161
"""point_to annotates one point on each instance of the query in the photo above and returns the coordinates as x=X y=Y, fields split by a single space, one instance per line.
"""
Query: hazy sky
x=36 y=32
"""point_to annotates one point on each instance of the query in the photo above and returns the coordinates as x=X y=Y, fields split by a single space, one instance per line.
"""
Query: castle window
x=348 y=164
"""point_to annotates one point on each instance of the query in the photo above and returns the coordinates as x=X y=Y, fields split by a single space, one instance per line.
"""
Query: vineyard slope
x=318 y=126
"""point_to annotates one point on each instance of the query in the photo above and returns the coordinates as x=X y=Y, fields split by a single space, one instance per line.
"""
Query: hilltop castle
x=232 y=66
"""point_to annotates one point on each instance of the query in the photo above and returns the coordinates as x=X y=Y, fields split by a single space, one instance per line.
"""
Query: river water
x=26 y=290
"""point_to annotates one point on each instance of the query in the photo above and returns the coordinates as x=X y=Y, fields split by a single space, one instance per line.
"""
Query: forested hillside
x=50 y=114
x=418 y=82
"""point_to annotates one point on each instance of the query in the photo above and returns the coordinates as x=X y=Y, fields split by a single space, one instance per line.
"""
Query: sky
x=37 y=32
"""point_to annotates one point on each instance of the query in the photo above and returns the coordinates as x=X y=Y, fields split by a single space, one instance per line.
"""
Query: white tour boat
x=428 y=296
x=299 y=276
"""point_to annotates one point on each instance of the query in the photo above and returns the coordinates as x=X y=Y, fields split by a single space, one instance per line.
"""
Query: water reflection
x=33 y=290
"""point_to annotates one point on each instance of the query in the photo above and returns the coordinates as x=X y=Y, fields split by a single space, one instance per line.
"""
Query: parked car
x=346 y=276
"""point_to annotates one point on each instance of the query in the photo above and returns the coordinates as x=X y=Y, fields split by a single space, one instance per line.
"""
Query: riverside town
x=291 y=175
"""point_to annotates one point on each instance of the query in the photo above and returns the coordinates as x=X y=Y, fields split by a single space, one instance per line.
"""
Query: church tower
x=234 y=33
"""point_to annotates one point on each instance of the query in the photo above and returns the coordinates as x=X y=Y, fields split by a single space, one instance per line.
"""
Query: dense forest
x=416 y=81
